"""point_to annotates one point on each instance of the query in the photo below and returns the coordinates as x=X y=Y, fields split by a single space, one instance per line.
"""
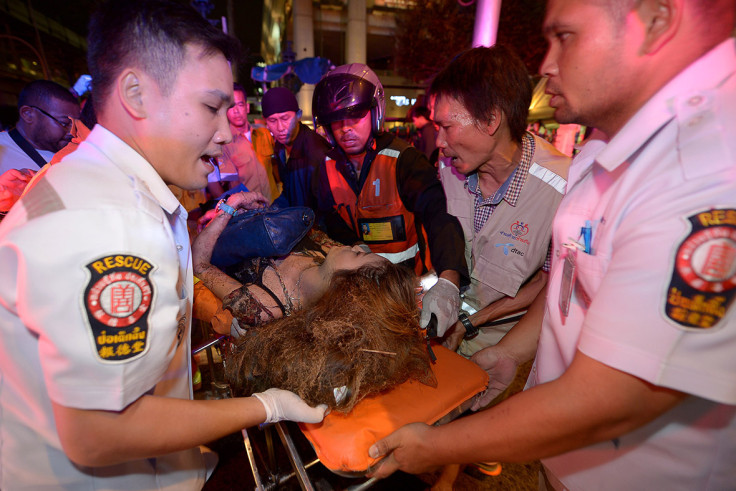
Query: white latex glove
x=442 y=300
x=285 y=405
x=83 y=85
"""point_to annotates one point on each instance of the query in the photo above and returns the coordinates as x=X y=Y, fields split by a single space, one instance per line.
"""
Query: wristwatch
x=470 y=330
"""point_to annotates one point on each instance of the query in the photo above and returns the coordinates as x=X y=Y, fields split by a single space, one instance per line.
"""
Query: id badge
x=382 y=230
x=568 y=279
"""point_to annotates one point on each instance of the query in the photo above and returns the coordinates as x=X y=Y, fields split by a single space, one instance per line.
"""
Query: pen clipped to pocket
x=586 y=235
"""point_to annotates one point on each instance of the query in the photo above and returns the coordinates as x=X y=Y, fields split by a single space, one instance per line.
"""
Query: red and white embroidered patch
x=117 y=301
x=703 y=280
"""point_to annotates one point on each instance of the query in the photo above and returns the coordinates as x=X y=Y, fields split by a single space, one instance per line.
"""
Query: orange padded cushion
x=206 y=304
x=342 y=441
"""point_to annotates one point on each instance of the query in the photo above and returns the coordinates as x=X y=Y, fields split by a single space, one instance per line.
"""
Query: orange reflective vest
x=377 y=215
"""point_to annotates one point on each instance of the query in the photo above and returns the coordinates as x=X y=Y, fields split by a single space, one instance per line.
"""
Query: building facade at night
x=35 y=44
x=342 y=31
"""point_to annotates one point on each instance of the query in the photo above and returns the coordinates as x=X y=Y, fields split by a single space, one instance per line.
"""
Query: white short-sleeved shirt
x=654 y=296
x=13 y=157
x=95 y=308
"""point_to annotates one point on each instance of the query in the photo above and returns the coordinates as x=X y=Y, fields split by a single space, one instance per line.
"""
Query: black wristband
x=470 y=330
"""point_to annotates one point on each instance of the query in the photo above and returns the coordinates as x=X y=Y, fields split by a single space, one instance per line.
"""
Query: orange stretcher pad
x=342 y=441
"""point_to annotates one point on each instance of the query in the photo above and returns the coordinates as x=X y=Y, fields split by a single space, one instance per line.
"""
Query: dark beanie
x=278 y=100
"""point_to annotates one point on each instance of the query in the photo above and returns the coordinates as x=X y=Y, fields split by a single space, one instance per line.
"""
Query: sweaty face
x=352 y=134
x=588 y=63
x=51 y=131
x=282 y=126
x=189 y=125
x=460 y=136
x=238 y=113
x=349 y=258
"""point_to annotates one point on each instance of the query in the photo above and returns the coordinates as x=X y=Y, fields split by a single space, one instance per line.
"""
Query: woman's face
x=346 y=257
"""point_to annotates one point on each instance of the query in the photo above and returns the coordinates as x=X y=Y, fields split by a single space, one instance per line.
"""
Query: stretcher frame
x=299 y=468
x=222 y=389
x=325 y=439
x=274 y=479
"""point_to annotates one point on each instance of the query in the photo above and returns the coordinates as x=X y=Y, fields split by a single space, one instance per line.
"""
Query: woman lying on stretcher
x=332 y=323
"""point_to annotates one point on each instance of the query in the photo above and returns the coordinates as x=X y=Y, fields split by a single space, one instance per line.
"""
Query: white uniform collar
x=133 y=164
x=707 y=72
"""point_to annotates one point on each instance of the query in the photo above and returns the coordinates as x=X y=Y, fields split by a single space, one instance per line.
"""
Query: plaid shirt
x=509 y=191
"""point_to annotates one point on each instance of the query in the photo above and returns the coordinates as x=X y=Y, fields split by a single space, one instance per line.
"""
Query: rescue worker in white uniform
x=96 y=284
x=503 y=184
x=634 y=385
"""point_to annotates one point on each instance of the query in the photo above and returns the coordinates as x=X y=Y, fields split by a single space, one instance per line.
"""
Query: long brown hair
x=362 y=334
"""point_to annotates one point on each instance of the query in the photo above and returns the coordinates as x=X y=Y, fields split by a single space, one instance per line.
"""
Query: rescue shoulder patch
x=703 y=275
x=117 y=301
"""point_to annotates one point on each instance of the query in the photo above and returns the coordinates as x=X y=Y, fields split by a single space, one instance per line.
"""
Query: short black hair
x=420 y=111
x=483 y=79
x=239 y=88
x=88 y=116
x=151 y=35
x=42 y=92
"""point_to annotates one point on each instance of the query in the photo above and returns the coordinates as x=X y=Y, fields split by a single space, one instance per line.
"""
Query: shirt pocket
x=589 y=275
x=489 y=272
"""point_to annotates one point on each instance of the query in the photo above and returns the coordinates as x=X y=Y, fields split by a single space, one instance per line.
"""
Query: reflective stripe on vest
x=399 y=257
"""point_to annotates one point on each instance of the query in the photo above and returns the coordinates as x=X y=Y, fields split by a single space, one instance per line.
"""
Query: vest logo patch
x=519 y=229
x=702 y=284
x=117 y=302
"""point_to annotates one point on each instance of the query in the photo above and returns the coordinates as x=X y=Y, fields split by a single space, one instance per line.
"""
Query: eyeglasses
x=64 y=124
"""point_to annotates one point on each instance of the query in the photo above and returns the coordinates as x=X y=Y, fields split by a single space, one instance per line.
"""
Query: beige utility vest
x=513 y=243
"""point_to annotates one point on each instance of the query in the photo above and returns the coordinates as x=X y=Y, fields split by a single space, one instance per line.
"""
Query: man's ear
x=661 y=20
x=494 y=122
x=131 y=87
x=27 y=114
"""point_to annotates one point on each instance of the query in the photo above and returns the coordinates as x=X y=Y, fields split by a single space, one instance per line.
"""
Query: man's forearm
x=150 y=426
x=521 y=341
x=508 y=305
x=571 y=412
x=452 y=276
x=337 y=230
x=445 y=237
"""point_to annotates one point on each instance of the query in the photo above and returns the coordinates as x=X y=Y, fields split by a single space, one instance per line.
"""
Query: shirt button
x=557 y=253
x=695 y=100
x=178 y=247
